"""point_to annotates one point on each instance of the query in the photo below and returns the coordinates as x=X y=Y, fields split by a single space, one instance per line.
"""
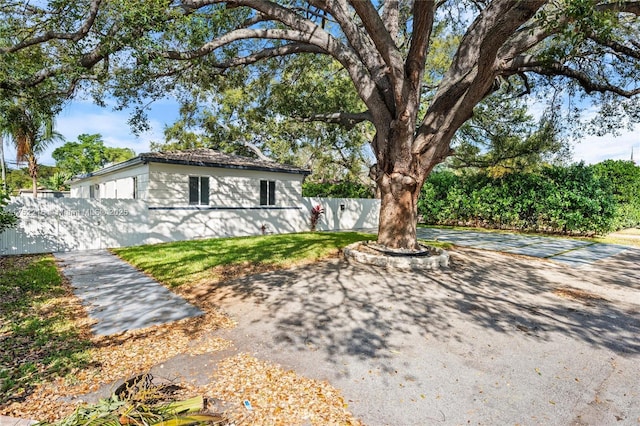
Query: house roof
x=201 y=157
x=212 y=158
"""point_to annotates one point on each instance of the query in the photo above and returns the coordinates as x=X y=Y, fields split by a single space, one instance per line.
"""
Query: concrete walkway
x=574 y=253
x=118 y=296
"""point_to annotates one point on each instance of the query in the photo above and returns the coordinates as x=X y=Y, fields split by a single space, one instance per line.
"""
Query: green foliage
x=557 y=199
x=55 y=182
x=269 y=111
x=31 y=128
x=7 y=219
x=502 y=136
x=342 y=189
x=624 y=178
x=38 y=342
x=146 y=406
x=20 y=179
x=87 y=155
x=183 y=262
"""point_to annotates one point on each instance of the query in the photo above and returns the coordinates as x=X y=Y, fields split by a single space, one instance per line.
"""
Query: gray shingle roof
x=212 y=158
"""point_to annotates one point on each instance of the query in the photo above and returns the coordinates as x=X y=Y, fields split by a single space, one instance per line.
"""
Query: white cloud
x=594 y=149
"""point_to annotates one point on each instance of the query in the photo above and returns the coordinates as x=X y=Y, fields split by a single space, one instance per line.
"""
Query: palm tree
x=3 y=167
x=32 y=131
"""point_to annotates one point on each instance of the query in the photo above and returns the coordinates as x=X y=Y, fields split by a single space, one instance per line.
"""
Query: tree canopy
x=88 y=154
x=419 y=68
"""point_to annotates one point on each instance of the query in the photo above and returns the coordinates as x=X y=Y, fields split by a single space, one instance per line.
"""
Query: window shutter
x=204 y=190
x=193 y=190
x=263 y=193
x=272 y=192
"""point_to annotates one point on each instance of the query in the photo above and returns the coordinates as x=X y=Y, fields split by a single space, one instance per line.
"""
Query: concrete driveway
x=575 y=253
x=495 y=339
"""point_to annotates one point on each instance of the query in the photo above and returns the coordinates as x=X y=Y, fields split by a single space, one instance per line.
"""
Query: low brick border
x=352 y=253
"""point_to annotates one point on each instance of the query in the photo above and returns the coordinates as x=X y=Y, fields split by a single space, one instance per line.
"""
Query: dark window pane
x=263 y=193
x=204 y=190
x=135 y=187
x=193 y=190
x=272 y=192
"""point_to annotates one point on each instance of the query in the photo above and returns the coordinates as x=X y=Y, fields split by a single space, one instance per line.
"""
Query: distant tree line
x=576 y=199
x=73 y=158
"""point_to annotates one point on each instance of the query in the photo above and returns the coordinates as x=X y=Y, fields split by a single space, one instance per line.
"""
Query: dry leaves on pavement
x=277 y=396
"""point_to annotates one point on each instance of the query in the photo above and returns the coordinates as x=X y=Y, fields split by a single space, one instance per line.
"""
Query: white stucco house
x=172 y=196
x=196 y=178
x=202 y=192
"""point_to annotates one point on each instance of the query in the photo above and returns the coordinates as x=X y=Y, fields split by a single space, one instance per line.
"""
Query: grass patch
x=625 y=239
x=38 y=338
x=444 y=245
x=183 y=262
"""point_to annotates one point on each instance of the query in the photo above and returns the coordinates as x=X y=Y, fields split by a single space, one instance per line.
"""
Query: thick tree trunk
x=398 y=211
x=33 y=171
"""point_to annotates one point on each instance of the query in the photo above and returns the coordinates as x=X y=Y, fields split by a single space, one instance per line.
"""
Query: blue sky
x=85 y=117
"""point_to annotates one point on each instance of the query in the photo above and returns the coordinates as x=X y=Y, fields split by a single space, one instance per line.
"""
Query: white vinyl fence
x=72 y=224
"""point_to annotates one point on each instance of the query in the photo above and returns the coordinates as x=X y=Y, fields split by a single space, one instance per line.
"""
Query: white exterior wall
x=116 y=185
x=234 y=203
x=344 y=213
x=233 y=188
x=70 y=224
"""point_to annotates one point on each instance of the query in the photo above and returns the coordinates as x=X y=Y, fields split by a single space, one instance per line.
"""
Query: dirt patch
x=580 y=295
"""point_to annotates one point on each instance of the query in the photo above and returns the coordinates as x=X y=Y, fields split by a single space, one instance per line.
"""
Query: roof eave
x=275 y=169
x=128 y=163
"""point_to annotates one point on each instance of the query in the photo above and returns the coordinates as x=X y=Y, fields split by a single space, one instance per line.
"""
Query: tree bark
x=33 y=171
x=398 y=211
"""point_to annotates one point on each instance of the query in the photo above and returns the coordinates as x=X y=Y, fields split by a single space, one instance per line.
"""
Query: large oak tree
x=384 y=46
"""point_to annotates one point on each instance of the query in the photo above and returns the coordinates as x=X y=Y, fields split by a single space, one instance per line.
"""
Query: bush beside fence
x=577 y=199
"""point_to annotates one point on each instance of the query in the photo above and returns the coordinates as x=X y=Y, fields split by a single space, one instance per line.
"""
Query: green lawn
x=627 y=237
x=38 y=337
x=182 y=262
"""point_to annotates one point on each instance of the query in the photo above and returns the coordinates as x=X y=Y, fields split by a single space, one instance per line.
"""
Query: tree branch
x=423 y=14
x=472 y=72
x=305 y=31
x=285 y=50
x=527 y=63
x=347 y=120
x=256 y=151
x=245 y=34
x=376 y=29
x=52 y=35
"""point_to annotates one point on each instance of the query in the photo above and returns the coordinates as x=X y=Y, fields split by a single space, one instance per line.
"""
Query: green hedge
x=577 y=199
x=342 y=189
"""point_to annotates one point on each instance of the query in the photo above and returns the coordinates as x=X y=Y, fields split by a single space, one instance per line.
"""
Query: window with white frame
x=199 y=190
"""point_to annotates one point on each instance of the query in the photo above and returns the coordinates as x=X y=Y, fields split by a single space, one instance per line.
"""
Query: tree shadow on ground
x=368 y=312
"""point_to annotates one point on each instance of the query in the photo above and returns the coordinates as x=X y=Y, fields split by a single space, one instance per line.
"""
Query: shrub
x=316 y=212
x=341 y=189
x=570 y=199
x=7 y=219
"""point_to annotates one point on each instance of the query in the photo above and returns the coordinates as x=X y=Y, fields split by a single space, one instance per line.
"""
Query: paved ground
x=571 y=252
x=118 y=296
x=495 y=339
